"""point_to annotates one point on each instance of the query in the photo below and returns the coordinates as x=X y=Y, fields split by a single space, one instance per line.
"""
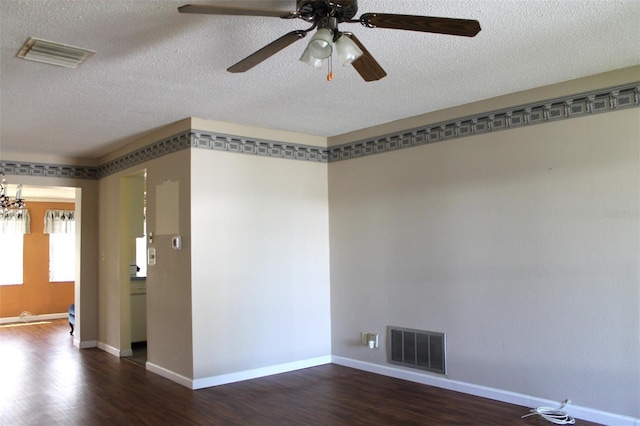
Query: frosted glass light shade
x=321 y=44
x=310 y=60
x=347 y=50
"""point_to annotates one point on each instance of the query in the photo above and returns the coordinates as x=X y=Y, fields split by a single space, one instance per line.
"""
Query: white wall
x=260 y=262
x=506 y=243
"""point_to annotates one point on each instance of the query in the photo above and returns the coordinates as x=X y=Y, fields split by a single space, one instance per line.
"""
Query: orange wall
x=36 y=294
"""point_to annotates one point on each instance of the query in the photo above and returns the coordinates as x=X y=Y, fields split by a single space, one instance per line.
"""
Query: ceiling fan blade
x=240 y=11
x=368 y=68
x=267 y=51
x=428 y=24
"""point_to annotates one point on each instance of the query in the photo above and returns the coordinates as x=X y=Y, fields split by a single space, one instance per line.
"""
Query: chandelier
x=6 y=202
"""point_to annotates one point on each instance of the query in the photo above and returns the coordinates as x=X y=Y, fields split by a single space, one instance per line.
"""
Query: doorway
x=134 y=260
x=48 y=277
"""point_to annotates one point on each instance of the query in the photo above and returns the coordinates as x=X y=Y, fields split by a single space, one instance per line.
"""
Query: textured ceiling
x=154 y=66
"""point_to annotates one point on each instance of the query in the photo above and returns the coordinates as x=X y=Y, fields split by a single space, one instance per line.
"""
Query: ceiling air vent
x=48 y=52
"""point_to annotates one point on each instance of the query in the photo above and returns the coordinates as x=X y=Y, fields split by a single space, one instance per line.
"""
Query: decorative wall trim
x=150 y=152
x=579 y=105
x=21 y=168
x=262 y=148
x=579 y=412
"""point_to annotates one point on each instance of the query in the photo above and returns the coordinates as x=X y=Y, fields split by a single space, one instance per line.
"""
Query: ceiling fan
x=325 y=15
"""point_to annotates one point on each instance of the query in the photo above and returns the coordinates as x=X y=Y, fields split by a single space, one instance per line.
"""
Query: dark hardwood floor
x=44 y=380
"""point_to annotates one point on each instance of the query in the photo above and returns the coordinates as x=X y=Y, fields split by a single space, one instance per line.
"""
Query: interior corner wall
x=169 y=345
x=260 y=262
x=521 y=245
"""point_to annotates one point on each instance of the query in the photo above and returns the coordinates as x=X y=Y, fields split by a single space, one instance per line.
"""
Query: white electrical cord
x=553 y=415
x=27 y=316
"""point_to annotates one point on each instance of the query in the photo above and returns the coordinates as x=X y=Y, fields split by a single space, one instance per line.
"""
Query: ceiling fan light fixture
x=347 y=50
x=310 y=60
x=321 y=44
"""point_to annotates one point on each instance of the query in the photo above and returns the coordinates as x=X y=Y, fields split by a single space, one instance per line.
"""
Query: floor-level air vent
x=424 y=350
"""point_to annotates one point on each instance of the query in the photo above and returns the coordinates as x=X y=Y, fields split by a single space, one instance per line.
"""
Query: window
x=61 y=227
x=11 y=253
x=62 y=257
x=141 y=255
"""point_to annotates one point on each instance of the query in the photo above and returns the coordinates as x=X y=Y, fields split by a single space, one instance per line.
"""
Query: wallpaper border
x=574 y=106
x=567 y=107
x=260 y=147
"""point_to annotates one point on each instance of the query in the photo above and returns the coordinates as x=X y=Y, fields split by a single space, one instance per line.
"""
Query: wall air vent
x=424 y=350
x=48 y=52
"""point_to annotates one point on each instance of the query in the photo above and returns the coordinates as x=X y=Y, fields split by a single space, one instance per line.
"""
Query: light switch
x=176 y=242
x=151 y=256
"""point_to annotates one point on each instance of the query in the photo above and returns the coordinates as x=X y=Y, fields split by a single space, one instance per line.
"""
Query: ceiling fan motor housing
x=344 y=10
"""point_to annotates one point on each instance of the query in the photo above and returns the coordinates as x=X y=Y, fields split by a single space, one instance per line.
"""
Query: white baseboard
x=114 y=351
x=584 y=413
x=43 y=317
x=168 y=374
x=84 y=344
x=224 y=379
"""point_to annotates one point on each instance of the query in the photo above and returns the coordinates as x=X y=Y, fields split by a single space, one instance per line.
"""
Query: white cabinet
x=138 y=311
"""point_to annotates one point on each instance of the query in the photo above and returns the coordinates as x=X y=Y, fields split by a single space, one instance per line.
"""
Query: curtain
x=15 y=221
x=59 y=222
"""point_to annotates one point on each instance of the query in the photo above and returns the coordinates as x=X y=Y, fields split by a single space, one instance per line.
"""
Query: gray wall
x=169 y=310
x=507 y=243
x=168 y=282
x=521 y=245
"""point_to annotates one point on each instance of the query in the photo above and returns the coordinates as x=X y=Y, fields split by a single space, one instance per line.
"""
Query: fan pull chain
x=330 y=75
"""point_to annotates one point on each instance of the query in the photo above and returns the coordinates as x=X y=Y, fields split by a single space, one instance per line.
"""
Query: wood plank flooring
x=44 y=380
